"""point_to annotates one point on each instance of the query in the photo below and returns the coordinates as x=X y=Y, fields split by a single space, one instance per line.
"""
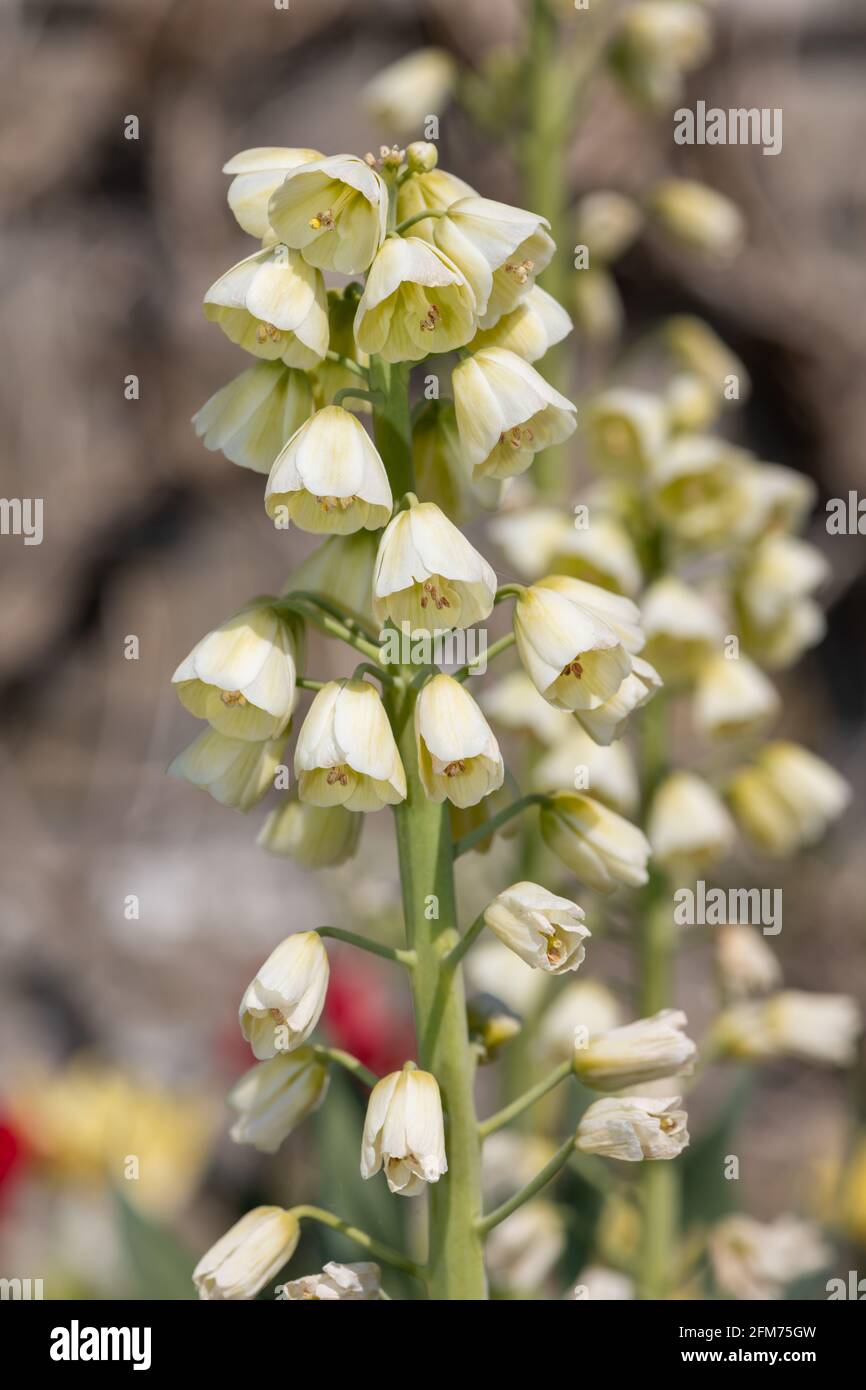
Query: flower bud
x=316 y=837
x=403 y=1132
x=284 y=1002
x=251 y=418
x=248 y=1256
x=600 y=847
x=733 y=697
x=745 y=962
x=597 y=306
x=491 y=1023
x=273 y=305
x=542 y=929
x=427 y=573
x=688 y=826
x=329 y=477
x=698 y=348
x=755 y=1260
x=608 y=772
x=699 y=217
x=415 y=302
x=632 y=1128
x=647 y=1050
x=356 y=1283
x=257 y=174
x=241 y=677
x=579 y=1012
x=458 y=756
x=602 y=554
x=506 y=413
x=273 y=1097
x=404 y=93
x=346 y=754
x=523 y=1251
x=777 y=498
x=236 y=772
x=607 y=223
x=787 y=798
x=333 y=210
x=421 y=156
x=812 y=1027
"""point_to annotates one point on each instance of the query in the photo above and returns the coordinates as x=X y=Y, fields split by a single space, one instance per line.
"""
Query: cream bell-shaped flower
x=431 y=190
x=733 y=697
x=776 y=498
x=248 y=1256
x=506 y=413
x=682 y=629
x=542 y=929
x=778 y=617
x=334 y=211
x=241 y=677
x=619 y=612
x=601 y=553
x=316 y=837
x=698 y=348
x=329 y=478
x=534 y=326
x=235 y=771
x=572 y=655
x=529 y=537
x=284 y=1002
x=600 y=847
x=500 y=249
x=693 y=406
x=754 y=1260
x=257 y=174
x=627 y=430
x=515 y=703
x=356 y=1283
x=787 y=798
x=523 y=1251
x=406 y=92
x=579 y=1012
x=697 y=489
x=415 y=302
x=427 y=573
x=577 y=761
x=403 y=1132
x=699 y=217
x=458 y=756
x=346 y=754
x=746 y=965
x=607 y=223
x=608 y=721
x=251 y=418
x=273 y=305
x=689 y=827
x=632 y=1128
x=794 y=1023
x=273 y=1097
x=646 y=1050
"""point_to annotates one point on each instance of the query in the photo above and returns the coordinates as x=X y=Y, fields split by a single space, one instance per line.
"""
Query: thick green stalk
x=456 y=1261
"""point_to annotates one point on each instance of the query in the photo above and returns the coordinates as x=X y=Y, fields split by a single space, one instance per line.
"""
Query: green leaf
x=160 y=1267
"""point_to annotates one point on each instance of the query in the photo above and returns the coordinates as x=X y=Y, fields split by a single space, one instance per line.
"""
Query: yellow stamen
x=429 y=323
x=330 y=504
x=430 y=594
x=454 y=769
x=338 y=774
x=521 y=270
x=232 y=697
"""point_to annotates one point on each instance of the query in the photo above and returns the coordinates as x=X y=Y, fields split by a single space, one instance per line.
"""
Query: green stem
x=548 y=1172
x=456 y=1261
x=456 y=954
x=422 y=216
x=353 y=393
x=376 y=948
x=331 y=626
x=487 y=827
x=480 y=663
x=348 y=363
x=374 y=1247
x=339 y=1058
x=510 y=1112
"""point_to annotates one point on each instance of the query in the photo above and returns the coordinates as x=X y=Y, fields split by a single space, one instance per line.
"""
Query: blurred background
x=118 y=1032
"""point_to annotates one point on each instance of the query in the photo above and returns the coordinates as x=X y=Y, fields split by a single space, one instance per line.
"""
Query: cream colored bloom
x=779 y=620
x=236 y=772
x=273 y=305
x=433 y=190
x=787 y=798
x=542 y=929
x=682 y=629
x=493 y=969
x=415 y=302
x=458 y=756
x=273 y=1097
x=529 y=537
x=607 y=223
x=597 y=306
x=627 y=430
x=698 y=348
x=257 y=174
x=600 y=847
x=689 y=827
x=356 y=1283
x=733 y=697
x=346 y=754
x=523 y=1251
x=334 y=211
x=601 y=553
x=575 y=761
x=248 y=1256
x=608 y=721
x=506 y=413
x=284 y=1002
x=572 y=654
x=746 y=964
x=403 y=1132
x=646 y=1050
x=632 y=1128
x=601 y=1285
x=404 y=93
x=794 y=1023
x=515 y=703
x=315 y=837
x=500 y=249
x=668 y=32
x=620 y=614
x=534 y=326
x=692 y=404
x=776 y=498
x=241 y=676
x=699 y=217
x=698 y=490
x=251 y=418
x=427 y=573
x=578 y=1013
x=329 y=477
x=754 y=1260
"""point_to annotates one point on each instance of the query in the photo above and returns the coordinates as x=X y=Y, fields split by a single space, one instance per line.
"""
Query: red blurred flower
x=365 y=1014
